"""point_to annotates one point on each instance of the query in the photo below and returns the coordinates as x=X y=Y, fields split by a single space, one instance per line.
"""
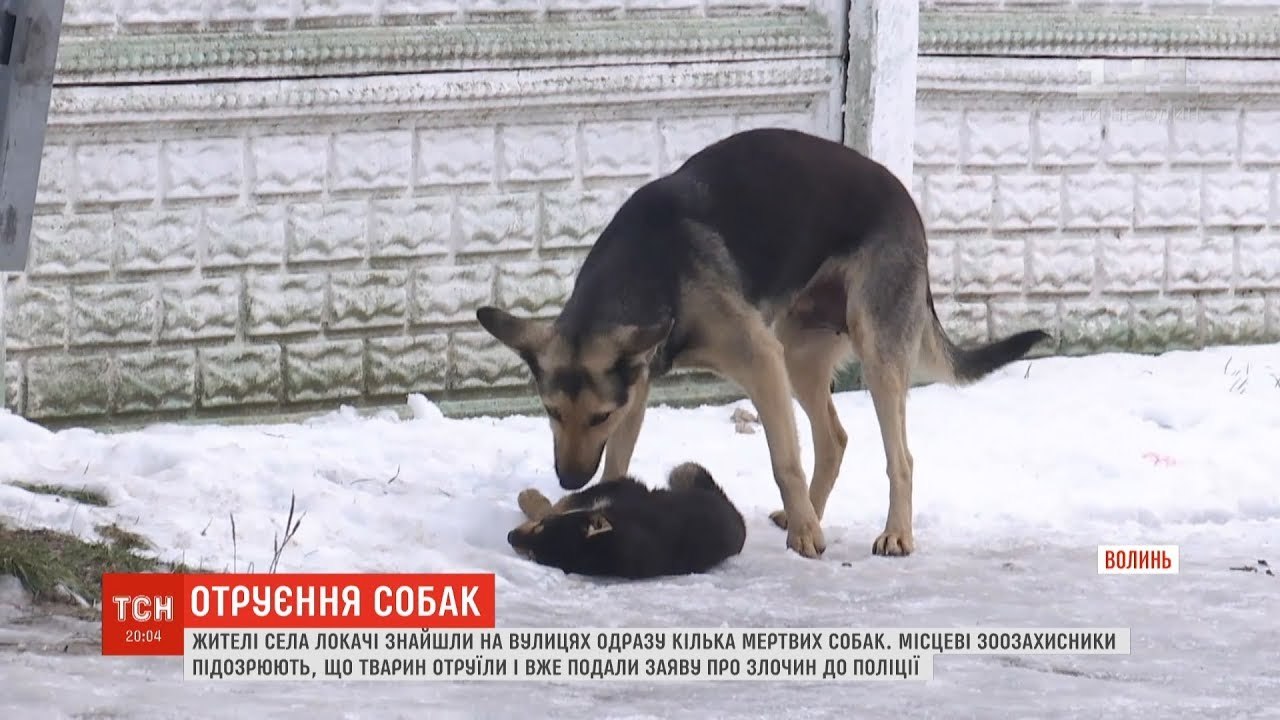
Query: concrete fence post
x=880 y=96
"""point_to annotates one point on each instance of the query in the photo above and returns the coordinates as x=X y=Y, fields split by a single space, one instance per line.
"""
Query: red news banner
x=442 y=627
x=148 y=613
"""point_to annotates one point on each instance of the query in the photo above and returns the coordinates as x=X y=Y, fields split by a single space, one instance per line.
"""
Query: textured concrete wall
x=272 y=245
x=256 y=245
x=1123 y=204
x=94 y=17
x=1176 y=8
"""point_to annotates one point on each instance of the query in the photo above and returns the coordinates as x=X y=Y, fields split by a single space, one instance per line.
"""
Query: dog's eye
x=553 y=414
x=599 y=418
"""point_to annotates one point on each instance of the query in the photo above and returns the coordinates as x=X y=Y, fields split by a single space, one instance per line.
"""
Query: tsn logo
x=1137 y=559
x=143 y=608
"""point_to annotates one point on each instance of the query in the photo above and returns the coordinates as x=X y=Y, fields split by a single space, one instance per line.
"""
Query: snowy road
x=1018 y=480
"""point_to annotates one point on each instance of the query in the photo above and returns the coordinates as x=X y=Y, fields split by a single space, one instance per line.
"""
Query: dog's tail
x=959 y=366
x=690 y=476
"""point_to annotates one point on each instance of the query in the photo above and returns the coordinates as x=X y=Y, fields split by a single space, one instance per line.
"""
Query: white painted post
x=880 y=96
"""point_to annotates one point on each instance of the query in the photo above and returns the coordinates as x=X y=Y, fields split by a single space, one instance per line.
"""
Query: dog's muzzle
x=515 y=539
x=574 y=481
x=575 y=478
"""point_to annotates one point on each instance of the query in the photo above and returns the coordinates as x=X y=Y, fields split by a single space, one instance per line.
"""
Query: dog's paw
x=530 y=496
x=805 y=538
x=533 y=504
x=779 y=518
x=893 y=543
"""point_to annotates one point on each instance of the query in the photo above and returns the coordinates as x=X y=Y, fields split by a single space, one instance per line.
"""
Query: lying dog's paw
x=533 y=504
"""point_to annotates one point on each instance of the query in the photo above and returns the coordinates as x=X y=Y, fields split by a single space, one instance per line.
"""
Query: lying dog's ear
x=523 y=335
x=599 y=524
x=642 y=339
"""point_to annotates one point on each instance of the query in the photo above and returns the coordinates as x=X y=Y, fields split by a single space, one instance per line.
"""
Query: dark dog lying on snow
x=622 y=528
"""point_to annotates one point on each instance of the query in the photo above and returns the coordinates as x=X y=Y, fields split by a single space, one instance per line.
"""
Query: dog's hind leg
x=812 y=355
x=887 y=382
x=617 y=452
x=886 y=323
x=689 y=475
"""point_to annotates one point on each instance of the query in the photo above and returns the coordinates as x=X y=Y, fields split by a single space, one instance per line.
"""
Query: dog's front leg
x=773 y=405
x=760 y=369
x=534 y=505
x=622 y=443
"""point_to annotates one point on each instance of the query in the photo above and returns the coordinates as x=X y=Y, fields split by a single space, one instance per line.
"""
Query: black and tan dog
x=769 y=257
x=625 y=529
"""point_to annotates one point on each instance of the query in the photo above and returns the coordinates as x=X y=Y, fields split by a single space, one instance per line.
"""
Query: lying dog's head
x=586 y=384
x=578 y=542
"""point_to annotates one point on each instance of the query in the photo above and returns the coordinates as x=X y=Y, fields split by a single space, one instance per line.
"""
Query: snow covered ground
x=1018 y=480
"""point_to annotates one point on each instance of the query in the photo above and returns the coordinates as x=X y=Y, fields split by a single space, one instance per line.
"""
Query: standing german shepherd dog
x=768 y=258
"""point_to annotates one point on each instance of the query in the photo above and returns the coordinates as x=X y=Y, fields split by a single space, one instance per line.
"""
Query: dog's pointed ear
x=598 y=525
x=642 y=339
x=523 y=335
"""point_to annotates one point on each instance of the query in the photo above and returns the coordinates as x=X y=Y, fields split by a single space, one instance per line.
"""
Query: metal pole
x=29 y=33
